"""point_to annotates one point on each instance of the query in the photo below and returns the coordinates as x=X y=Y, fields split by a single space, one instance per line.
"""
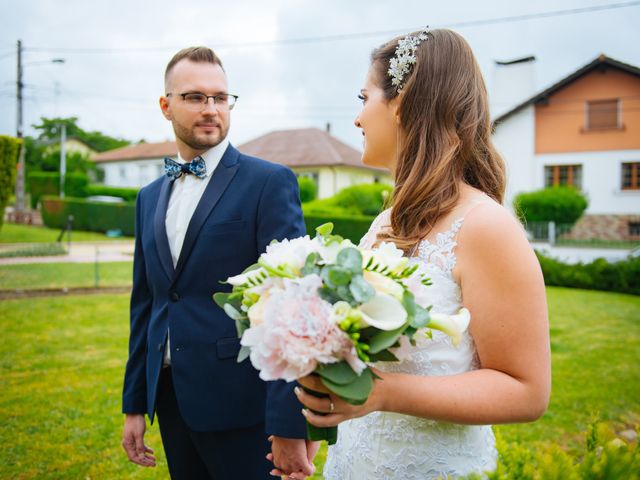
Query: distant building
x=582 y=131
x=315 y=153
x=134 y=165
x=309 y=152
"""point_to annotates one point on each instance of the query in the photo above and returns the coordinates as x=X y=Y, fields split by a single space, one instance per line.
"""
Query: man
x=208 y=219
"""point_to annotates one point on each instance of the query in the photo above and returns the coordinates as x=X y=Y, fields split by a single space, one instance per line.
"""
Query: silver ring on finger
x=332 y=407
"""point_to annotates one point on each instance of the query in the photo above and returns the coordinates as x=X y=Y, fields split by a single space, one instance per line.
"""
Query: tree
x=9 y=152
x=49 y=129
x=562 y=205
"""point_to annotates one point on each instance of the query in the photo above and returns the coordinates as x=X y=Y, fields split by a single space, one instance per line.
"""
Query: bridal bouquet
x=322 y=305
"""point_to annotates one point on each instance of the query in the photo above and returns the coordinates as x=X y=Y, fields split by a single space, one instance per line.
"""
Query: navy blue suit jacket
x=247 y=203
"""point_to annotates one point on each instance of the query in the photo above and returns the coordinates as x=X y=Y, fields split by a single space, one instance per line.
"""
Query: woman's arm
x=503 y=288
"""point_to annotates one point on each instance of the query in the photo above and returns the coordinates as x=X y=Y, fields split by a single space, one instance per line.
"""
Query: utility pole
x=20 y=207
x=63 y=157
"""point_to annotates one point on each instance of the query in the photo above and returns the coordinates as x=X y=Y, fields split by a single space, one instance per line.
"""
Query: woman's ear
x=394 y=105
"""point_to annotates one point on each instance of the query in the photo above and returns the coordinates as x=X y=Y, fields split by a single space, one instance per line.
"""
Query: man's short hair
x=195 y=54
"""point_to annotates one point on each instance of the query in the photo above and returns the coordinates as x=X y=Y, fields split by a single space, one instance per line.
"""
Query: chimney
x=513 y=82
x=327 y=127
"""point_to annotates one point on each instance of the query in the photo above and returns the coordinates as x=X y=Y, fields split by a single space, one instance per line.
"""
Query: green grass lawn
x=13 y=233
x=62 y=359
x=64 y=275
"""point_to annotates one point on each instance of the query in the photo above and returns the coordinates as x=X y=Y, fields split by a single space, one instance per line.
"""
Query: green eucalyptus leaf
x=351 y=259
x=355 y=392
x=324 y=229
x=383 y=356
x=310 y=264
x=409 y=303
x=242 y=325
x=338 y=275
x=221 y=298
x=339 y=373
x=243 y=353
x=232 y=312
x=421 y=318
x=385 y=339
x=361 y=290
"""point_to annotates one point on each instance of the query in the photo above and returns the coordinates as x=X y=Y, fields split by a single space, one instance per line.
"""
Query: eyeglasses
x=198 y=101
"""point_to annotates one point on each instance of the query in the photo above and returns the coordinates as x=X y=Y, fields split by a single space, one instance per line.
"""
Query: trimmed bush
x=347 y=226
x=308 y=189
x=127 y=194
x=619 y=276
x=9 y=153
x=551 y=204
x=365 y=199
x=87 y=215
x=48 y=183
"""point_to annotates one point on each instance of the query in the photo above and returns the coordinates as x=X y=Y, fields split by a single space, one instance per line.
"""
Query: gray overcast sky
x=115 y=53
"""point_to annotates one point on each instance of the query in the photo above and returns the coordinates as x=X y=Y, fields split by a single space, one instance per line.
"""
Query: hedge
x=9 y=153
x=351 y=227
x=127 y=194
x=364 y=199
x=48 y=183
x=621 y=276
x=551 y=204
x=88 y=215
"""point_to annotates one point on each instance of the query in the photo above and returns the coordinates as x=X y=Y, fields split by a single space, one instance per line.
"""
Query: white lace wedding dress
x=388 y=446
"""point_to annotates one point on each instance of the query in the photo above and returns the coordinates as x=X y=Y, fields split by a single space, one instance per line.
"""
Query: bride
x=425 y=118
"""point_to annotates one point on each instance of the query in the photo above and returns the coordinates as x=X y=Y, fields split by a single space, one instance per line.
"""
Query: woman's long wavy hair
x=444 y=134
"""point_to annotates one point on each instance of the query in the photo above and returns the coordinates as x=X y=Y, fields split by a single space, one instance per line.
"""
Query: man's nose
x=210 y=107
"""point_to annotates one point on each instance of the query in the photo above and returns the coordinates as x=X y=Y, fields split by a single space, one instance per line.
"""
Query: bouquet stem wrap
x=330 y=434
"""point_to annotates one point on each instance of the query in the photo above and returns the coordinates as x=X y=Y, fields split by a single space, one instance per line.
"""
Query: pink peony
x=296 y=333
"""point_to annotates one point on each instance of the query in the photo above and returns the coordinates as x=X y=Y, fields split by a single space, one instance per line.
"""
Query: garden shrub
x=48 y=183
x=88 y=215
x=562 y=205
x=365 y=199
x=308 y=189
x=9 y=153
x=127 y=194
x=621 y=276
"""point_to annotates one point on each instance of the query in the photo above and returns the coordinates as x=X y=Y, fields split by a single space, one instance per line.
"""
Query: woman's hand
x=336 y=409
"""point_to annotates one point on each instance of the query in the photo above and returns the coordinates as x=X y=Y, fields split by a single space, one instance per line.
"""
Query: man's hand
x=290 y=456
x=133 y=441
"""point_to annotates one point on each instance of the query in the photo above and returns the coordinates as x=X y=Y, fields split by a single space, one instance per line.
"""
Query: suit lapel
x=160 y=229
x=221 y=177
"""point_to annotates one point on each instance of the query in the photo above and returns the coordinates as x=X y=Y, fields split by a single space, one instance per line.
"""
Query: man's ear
x=165 y=107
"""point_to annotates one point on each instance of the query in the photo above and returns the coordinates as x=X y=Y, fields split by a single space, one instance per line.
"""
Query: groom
x=208 y=219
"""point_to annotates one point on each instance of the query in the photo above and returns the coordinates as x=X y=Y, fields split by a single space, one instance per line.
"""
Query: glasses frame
x=204 y=104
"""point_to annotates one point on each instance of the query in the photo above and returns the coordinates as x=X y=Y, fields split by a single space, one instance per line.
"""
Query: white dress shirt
x=185 y=195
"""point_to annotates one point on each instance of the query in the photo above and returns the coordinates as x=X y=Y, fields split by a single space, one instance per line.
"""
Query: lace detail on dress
x=392 y=446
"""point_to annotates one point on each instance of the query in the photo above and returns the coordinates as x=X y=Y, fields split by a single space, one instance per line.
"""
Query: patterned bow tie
x=175 y=170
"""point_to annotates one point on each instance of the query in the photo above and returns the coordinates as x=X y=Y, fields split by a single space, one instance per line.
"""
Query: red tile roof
x=140 y=151
x=305 y=147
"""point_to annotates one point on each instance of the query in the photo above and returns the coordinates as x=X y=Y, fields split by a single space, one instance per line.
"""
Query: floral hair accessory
x=400 y=65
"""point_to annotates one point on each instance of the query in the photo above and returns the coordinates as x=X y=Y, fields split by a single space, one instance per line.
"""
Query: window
x=631 y=176
x=634 y=229
x=557 y=175
x=603 y=114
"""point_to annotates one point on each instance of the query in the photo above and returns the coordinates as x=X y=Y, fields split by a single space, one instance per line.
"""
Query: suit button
x=175 y=296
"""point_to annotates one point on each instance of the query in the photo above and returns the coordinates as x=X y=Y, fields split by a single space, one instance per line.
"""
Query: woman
x=425 y=117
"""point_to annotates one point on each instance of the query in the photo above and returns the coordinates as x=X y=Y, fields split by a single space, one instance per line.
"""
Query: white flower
x=452 y=325
x=386 y=255
x=383 y=312
x=383 y=284
x=329 y=253
x=244 y=278
x=289 y=254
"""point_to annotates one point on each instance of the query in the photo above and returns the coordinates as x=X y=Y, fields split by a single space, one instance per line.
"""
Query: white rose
x=387 y=254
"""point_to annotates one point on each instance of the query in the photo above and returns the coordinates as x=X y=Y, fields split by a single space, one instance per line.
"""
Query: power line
x=350 y=36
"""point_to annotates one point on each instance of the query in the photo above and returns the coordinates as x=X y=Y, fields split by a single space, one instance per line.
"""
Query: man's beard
x=202 y=141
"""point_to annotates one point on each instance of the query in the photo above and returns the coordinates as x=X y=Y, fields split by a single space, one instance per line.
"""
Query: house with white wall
x=315 y=153
x=309 y=152
x=582 y=131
